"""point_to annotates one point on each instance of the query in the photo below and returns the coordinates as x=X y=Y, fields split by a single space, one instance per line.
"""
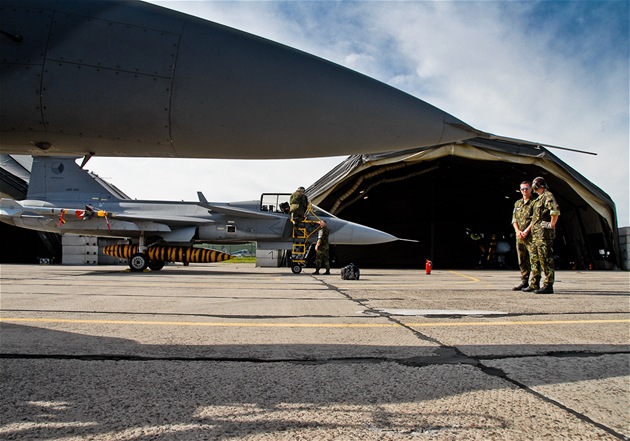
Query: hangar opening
x=456 y=200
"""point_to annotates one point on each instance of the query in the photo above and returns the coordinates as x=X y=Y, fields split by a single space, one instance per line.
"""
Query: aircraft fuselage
x=128 y=78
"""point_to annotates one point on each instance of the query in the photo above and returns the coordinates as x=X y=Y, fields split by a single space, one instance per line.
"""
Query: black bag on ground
x=350 y=272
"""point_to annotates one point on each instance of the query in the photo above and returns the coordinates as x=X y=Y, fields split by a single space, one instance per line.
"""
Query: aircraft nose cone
x=355 y=234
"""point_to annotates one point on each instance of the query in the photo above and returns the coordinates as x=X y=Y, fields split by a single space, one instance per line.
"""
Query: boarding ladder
x=301 y=234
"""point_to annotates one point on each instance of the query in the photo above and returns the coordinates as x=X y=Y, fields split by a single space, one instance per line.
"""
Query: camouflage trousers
x=297 y=215
x=522 y=251
x=541 y=258
x=322 y=261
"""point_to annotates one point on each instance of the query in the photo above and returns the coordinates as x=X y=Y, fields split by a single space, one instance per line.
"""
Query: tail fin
x=61 y=179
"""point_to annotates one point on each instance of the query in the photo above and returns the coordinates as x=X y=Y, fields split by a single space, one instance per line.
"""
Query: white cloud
x=354 y=61
x=480 y=62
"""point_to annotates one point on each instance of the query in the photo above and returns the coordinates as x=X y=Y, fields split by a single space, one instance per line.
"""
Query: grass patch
x=251 y=259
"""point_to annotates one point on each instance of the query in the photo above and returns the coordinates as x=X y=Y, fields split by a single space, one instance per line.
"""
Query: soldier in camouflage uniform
x=543 y=229
x=299 y=205
x=521 y=218
x=322 y=248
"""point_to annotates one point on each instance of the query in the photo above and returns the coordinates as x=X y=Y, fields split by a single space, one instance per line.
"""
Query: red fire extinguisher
x=428 y=266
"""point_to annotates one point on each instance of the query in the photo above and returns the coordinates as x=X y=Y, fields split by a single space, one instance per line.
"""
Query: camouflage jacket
x=522 y=213
x=544 y=207
x=322 y=238
x=299 y=201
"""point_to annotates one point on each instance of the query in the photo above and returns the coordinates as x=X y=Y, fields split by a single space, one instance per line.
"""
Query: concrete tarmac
x=230 y=351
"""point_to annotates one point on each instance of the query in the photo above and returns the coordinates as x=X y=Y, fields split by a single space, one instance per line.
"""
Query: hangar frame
x=456 y=199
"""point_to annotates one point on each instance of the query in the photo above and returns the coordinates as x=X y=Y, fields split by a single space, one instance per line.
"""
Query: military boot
x=546 y=289
x=520 y=287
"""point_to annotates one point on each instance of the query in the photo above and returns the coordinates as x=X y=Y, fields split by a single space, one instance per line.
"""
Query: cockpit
x=279 y=203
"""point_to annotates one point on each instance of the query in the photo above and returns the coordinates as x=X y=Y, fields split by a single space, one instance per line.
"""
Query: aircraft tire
x=296 y=269
x=156 y=265
x=138 y=262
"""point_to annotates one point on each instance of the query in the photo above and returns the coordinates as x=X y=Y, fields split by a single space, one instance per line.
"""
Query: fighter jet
x=128 y=78
x=67 y=199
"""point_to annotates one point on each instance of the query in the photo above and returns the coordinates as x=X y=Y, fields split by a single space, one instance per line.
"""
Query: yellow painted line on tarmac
x=470 y=278
x=305 y=325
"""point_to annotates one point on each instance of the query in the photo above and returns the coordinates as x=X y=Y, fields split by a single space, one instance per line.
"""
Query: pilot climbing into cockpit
x=299 y=205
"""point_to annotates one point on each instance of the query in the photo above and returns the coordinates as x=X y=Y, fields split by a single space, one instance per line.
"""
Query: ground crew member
x=545 y=214
x=299 y=205
x=521 y=218
x=322 y=248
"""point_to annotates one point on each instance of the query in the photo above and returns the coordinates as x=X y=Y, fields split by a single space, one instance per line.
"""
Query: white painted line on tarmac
x=441 y=312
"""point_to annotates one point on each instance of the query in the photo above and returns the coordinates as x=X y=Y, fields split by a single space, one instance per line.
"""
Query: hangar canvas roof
x=505 y=163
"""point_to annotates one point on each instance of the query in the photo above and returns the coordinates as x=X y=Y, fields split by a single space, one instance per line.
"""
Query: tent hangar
x=456 y=200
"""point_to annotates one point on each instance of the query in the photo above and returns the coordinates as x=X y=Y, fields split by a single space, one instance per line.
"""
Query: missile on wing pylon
x=169 y=254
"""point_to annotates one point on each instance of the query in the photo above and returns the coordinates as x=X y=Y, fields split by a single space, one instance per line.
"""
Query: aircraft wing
x=10 y=207
x=241 y=212
x=164 y=218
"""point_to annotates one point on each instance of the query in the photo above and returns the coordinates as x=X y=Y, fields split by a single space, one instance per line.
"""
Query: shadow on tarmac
x=103 y=386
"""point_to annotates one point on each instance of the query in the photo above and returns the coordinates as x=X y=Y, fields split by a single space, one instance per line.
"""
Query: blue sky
x=554 y=72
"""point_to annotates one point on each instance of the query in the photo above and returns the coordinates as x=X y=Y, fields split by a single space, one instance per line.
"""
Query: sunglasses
x=526 y=188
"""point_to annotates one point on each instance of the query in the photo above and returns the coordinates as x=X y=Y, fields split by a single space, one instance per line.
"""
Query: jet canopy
x=279 y=203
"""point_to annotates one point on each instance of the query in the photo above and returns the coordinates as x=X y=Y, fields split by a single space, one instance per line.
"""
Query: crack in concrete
x=452 y=355
x=368 y=312
x=443 y=354
x=496 y=372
